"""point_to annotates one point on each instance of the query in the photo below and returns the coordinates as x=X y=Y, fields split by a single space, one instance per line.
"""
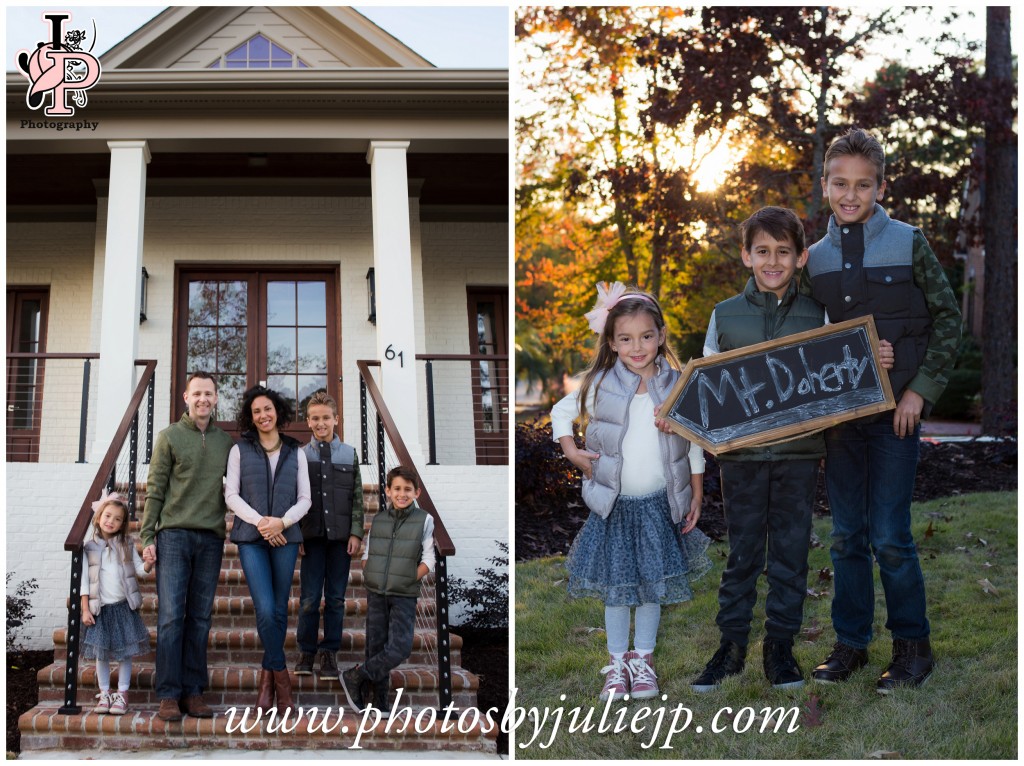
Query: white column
x=122 y=278
x=392 y=262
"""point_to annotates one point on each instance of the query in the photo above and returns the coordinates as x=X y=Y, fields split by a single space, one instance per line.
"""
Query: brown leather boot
x=265 y=700
x=283 y=686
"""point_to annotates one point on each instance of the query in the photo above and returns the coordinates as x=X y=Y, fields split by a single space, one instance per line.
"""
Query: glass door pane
x=217 y=337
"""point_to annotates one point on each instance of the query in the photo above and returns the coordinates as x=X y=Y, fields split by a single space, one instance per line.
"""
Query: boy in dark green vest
x=399 y=552
x=768 y=491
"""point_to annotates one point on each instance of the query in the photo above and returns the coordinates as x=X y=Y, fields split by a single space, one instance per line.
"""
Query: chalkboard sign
x=781 y=389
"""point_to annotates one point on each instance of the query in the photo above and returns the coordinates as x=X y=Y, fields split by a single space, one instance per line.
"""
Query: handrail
x=445 y=546
x=81 y=525
x=462 y=357
x=47 y=355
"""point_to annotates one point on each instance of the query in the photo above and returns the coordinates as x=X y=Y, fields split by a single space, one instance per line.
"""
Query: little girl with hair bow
x=110 y=601
x=639 y=547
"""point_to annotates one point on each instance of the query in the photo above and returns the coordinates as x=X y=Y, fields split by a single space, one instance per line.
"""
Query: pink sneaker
x=118 y=704
x=616 y=679
x=643 y=680
x=103 y=705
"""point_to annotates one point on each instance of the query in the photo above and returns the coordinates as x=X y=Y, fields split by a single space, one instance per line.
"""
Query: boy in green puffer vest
x=768 y=491
x=398 y=553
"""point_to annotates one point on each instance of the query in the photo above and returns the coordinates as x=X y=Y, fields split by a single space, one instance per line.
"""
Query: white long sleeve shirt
x=111 y=589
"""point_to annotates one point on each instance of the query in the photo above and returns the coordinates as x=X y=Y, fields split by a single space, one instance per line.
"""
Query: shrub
x=19 y=609
x=957 y=401
x=488 y=596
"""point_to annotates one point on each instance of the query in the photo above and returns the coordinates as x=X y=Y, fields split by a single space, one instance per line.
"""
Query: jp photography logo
x=59 y=70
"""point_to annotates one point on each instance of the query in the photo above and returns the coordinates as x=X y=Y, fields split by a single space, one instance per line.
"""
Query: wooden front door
x=276 y=327
x=488 y=309
x=26 y=333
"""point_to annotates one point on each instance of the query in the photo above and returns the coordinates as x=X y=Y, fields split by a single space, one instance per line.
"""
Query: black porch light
x=144 y=296
x=371 y=296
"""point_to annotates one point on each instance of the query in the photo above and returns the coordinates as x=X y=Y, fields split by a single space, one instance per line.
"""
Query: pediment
x=319 y=37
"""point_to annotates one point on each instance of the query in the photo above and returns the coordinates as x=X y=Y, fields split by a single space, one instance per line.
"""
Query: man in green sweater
x=184 y=524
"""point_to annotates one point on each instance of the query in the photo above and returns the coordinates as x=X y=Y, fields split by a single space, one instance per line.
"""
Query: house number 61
x=389 y=354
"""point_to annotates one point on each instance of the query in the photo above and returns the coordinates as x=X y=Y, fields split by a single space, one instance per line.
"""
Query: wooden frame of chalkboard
x=782 y=389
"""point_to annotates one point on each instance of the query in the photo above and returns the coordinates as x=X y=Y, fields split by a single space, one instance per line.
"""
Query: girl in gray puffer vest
x=110 y=602
x=640 y=546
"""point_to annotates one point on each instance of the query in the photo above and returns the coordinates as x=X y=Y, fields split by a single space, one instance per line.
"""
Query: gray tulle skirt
x=118 y=634
x=636 y=555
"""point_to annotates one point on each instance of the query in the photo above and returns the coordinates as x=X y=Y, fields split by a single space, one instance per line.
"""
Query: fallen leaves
x=812 y=716
x=885 y=755
x=812 y=632
x=988 y=587
x=824 y=575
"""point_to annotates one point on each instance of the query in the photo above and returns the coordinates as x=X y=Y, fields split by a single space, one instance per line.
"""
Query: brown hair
x=323 y=398
x=779 y=223
x=120 y=540
x=202 y=374
x=858 y=143
x=633 y=302
x=403 y=472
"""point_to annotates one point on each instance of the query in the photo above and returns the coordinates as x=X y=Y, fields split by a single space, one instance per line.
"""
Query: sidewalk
x=934 y=428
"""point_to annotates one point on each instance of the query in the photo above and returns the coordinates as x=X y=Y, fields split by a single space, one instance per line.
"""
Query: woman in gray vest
x=267 y=488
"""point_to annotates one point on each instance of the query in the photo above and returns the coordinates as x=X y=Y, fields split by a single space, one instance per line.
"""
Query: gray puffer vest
x=93 y=556
x=867 y=268
x=396 y=549
x=609 y=419
x=267 y=497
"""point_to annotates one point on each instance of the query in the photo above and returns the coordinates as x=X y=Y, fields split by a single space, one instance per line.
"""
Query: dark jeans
x=869 y=474
x=325 y=566
x=268 y=572
x=766 y=502
x=390 y=622
x=188 y=565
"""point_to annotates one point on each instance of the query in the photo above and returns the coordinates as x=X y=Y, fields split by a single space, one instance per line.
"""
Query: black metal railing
x=473 y=391
x=383 y=447
x=29 y=375
x=123 y=453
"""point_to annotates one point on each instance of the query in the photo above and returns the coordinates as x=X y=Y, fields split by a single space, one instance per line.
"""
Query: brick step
x=238 y=686
x=241 y=646
x=231 y=582
x=43 y=728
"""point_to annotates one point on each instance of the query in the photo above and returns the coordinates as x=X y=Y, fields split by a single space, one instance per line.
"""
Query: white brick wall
x=458 y=254
x=40 y=511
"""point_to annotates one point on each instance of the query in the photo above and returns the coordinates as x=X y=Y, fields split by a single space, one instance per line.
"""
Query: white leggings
x=124 y=675
x=616 y=625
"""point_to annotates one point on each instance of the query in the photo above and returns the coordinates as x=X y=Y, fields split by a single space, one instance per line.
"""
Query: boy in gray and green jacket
x=398 y=553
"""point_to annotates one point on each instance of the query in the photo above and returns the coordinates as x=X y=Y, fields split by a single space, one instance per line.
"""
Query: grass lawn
x=968 y=708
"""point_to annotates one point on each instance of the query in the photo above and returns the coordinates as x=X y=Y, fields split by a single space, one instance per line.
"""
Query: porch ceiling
x=445 y=179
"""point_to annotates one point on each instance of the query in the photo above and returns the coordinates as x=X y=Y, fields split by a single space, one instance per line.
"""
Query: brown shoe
x=196 y=706
x=169 y=710
x=265 y=699
x=283 y=687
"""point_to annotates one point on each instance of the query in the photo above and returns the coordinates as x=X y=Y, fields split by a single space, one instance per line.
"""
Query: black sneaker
x=381 y=690
x=352 y=682
x=304 y=667
x=912 y=665
x=780 y=666
x=328 y=666
x=840 y=664
x=728 y=661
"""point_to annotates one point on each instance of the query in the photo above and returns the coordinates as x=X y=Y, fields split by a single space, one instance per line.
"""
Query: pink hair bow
x=104 y=497
x=607 y=297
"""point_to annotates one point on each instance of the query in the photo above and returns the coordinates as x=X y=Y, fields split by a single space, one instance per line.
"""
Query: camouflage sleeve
x=933 y=374
x=804 y=282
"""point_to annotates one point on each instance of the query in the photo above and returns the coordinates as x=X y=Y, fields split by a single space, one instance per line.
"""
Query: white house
x=247 y=178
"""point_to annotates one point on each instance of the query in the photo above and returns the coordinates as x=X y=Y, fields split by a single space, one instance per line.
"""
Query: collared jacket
x=185 y=487
x=267 y=496
x=336 y=489
x=609 y=419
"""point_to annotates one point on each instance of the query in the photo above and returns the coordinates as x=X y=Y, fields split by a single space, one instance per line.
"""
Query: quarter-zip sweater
x=185 y=487
x=395 y=552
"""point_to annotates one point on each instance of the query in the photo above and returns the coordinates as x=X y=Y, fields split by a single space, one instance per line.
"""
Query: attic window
x=259 y=53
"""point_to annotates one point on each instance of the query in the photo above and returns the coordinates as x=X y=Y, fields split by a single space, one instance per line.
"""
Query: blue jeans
x=869 y=475
x=325 y=566
x=188 y=565
x=268 y=572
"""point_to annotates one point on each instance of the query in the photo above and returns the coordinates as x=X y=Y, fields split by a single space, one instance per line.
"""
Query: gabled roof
x=322 y=37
